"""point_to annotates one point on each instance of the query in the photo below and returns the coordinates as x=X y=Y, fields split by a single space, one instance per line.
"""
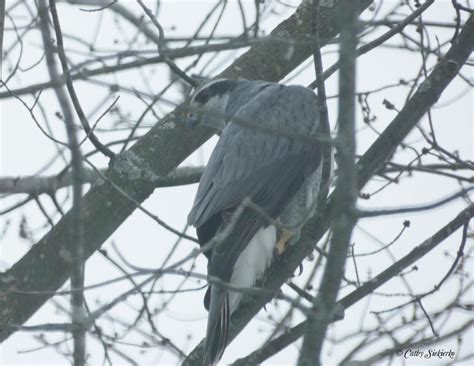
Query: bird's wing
x=266 y=166
x=261 y=163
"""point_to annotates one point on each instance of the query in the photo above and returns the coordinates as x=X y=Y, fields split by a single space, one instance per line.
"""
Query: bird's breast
x=252 y=262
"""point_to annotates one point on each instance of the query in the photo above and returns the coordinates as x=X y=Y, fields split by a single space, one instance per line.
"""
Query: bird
x=259 y=186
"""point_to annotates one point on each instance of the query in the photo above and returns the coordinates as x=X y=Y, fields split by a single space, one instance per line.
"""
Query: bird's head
x=209 y=102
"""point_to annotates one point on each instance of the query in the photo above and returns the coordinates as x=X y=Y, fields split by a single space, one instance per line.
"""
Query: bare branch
x=123 y=12
x=70 y=87
x=76 y=229
x=161 y=47
x=378 y=41
x=318 y=64
x=345 y=195
x=36 y=185
x=402 y=160
x=430 y=206
x=272 y=42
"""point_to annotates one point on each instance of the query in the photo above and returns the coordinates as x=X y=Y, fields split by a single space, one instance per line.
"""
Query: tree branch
x=72 y=91
x=345 y=195
x=121 y=10
x=399 y=27
x=318 y=63
x=85 y=74
x=76 y=230
x=36 y=185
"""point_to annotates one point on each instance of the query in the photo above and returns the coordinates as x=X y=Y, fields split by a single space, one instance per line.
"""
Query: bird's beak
x=192 y=121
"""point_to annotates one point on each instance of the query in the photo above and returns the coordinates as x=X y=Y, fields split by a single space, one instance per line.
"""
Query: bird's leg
x=284 y=238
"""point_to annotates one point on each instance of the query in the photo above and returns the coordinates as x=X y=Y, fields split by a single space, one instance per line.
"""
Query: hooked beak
x=192 y=120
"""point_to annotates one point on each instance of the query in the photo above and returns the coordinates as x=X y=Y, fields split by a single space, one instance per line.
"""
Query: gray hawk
x=263 y=155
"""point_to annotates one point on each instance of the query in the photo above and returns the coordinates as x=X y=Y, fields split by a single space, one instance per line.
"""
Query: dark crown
x=215 y=88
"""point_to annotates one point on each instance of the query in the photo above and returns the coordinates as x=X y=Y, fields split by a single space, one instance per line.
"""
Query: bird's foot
x=284 y=239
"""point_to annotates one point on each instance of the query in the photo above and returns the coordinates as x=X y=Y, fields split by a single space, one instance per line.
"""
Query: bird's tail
x=217 y=326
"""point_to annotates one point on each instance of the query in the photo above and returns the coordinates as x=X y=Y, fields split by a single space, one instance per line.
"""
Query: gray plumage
x=247 y=160
x=258 y=156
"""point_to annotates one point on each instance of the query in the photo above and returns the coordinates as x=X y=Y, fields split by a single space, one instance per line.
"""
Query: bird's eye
x=203 y=96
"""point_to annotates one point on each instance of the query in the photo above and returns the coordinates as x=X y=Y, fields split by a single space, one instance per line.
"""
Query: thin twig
x=451 y=270
x=362 y=213
x=418 y=301
x=294 y=333
x=2 y=26
x=140 y=62
x=70 y=87
x=161 y=47
x=378 y=41
x=318 y=65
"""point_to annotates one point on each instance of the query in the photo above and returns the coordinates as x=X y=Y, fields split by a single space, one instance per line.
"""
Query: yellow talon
x=281 y=245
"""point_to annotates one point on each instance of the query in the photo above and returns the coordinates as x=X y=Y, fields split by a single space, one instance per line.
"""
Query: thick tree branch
x=36 y=185
x=163 y=148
